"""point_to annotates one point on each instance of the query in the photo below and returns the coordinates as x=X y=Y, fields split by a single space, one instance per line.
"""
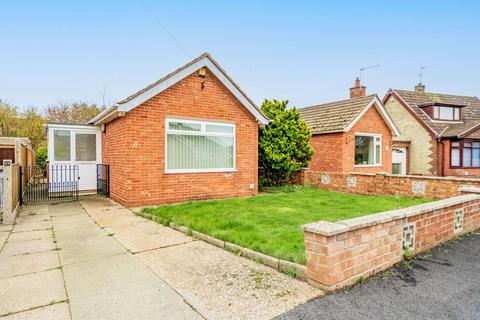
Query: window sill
x=173 y=171
x=368 y=165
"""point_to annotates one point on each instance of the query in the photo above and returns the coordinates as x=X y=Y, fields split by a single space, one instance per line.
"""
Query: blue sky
x=306 y=51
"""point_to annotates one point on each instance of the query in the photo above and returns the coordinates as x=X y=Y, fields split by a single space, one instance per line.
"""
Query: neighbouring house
x=440 y=133
x=191 y=135
x=19 y=151
x=353 y=135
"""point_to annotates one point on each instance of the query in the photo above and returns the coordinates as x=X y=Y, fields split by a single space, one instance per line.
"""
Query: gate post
x=10 y=195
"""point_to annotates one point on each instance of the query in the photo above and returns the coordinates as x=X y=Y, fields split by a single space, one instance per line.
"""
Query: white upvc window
x=446 y=113
x=199 y=146
x=368 y=149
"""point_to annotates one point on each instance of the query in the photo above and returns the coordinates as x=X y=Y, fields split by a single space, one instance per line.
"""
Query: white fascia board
x=383 y=113
x=205 y=62
x=102 y=114
x=72 y=127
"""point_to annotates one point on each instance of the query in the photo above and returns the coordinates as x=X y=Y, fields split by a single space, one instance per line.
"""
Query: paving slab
x=58 y=311
x=26 y=247
x=66 y=209
x=31 y=235
x=71 y=222
x=87 y=245
x=31 y=291
x=221 y=285
x=33 y=226
x=29 y=263
x=99 y=203
x=32 y=217
x=3 y=238
x=121 y=287
x=39 y=209
x=116 y=218
x=147 y=236
x=6 y=227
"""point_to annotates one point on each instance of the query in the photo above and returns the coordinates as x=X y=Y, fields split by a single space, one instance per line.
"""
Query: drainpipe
x=440 y=153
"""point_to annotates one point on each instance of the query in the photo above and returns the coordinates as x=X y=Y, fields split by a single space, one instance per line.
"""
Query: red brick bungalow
x=191 y=135
x=353 y=135
x=440 y=132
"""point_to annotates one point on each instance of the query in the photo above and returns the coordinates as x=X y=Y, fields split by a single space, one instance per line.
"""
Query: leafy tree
x=31 y=125
x=283 y=144
x=8 y=119
x=41 y=158
x=75 y=112
x=27 y=124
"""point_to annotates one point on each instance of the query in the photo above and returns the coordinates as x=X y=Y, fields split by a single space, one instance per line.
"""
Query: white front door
x=86 y=156
x=399 y=161
x=76 y=145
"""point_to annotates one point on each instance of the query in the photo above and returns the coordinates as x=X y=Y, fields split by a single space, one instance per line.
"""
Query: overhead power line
x=157 y=20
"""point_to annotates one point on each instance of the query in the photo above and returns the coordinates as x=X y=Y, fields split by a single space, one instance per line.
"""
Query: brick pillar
x=380 y=184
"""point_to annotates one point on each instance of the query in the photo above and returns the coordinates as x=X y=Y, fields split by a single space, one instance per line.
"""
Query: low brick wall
x=387 y=184
x=338 y=254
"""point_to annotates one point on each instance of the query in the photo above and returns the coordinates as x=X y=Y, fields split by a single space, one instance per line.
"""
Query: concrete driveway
x=442 y=284
x=94 y=259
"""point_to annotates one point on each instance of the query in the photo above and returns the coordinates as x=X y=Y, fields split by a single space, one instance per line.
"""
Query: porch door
x=399 y=161
x=86 y=154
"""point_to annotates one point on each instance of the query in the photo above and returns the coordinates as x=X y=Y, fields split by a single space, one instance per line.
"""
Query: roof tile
x=334 y=116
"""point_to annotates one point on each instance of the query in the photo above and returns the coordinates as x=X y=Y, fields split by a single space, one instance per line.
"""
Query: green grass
x=270 y=223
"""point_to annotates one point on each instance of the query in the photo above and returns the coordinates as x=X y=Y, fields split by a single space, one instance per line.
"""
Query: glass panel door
x=85 y=147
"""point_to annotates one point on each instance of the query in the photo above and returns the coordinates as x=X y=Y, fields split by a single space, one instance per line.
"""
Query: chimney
x=358 y=90
x=420 y=87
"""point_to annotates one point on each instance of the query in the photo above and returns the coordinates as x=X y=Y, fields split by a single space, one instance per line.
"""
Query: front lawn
x=270 y=223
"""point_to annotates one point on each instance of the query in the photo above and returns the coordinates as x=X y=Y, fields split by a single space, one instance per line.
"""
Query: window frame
x=460 y=148
x=75 y=157
x=434 y=107
x=69 y=145
x=202 y=132
x=374 y=136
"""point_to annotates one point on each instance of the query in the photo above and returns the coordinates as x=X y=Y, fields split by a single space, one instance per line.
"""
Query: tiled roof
x=460 y=129
x=470 y=108
x=335 y=116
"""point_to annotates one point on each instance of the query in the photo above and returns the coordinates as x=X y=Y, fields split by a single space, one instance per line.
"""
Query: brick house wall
x=335 y=152
x=371 y=122
x=134 y=146
x=328 y=152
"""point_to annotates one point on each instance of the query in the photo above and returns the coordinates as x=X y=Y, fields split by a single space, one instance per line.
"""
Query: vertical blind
x=194 y=145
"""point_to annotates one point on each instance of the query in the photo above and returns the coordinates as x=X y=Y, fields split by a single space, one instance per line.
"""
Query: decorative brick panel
x=340 y=253
x=134 y=145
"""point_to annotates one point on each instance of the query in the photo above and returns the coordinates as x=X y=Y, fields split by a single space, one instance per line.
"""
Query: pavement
x=95 y=259
x=441 y=284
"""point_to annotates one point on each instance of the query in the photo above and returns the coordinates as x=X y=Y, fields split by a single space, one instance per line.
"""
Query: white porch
x=76 y=145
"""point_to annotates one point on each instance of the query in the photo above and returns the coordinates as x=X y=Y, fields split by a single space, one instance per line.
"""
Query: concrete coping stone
x=469 y=189
x=333 y=228
x=417 y=177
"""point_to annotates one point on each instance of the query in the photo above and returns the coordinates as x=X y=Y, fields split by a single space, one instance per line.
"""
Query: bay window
x=465 y=154
x=199 y=146
x=368 y=149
